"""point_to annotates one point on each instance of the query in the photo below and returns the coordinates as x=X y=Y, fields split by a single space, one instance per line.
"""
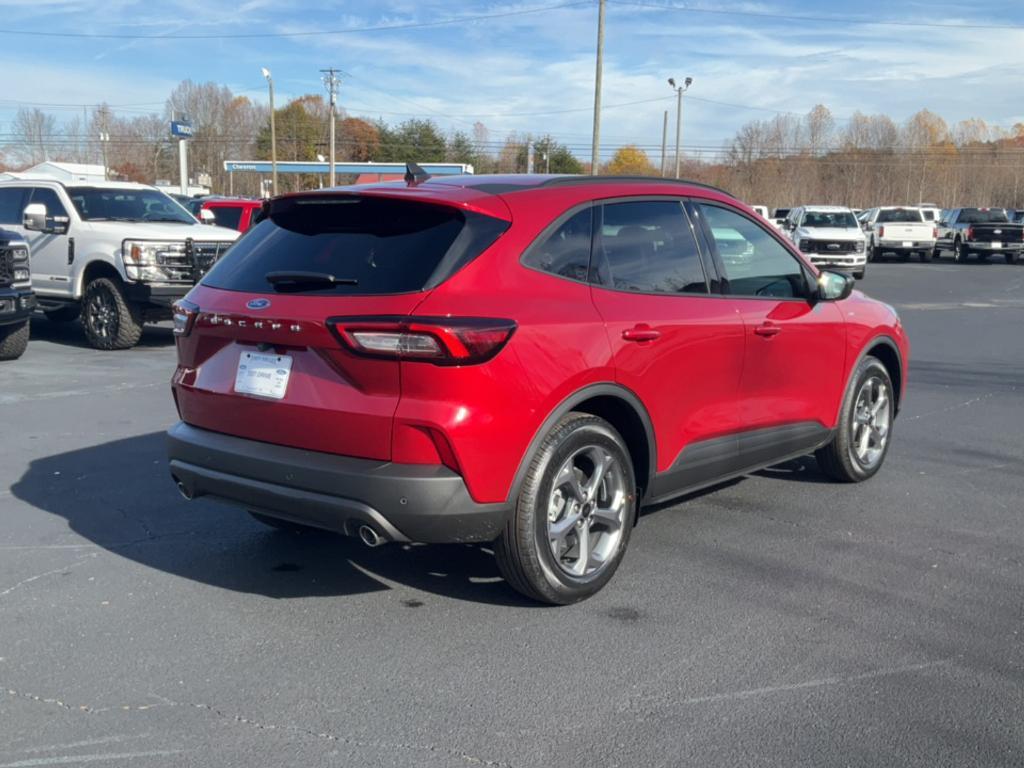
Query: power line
x=822 y=19
x=302 y=33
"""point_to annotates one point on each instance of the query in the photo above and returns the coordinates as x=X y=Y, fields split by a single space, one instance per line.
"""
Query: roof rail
x=604 y=179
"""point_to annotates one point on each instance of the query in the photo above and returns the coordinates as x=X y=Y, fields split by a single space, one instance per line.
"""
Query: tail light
x=935 y=233
x=881 y=231
x=437 y=340
x=970 y=233
x=184 y=315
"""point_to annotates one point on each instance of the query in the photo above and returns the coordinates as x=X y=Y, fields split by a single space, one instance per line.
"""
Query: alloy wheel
x=872 y=419
x=586 y=511
x=102 y=314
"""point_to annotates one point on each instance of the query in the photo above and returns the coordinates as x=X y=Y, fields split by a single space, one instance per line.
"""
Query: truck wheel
x=1012 y=258
x=959 y=252
x=874 y=253
x=926 y=256
x=571 y=523
x=13 y=341
x=110 y=321
x=63 y=314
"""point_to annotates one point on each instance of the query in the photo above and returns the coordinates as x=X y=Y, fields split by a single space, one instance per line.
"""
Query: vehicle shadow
x=120 y=497
x=72 y=335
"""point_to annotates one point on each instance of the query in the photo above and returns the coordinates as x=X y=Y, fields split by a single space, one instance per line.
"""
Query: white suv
x=117 y=254
x=830 y=236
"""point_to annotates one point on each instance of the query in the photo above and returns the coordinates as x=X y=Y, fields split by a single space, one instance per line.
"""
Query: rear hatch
x=259 y=356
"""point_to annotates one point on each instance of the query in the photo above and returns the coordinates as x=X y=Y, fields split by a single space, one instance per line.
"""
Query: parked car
x=979 y=232
x=829 y=236
x=116 y=253
x=523 y=360
x=16 y=298
x=899 y=231
x=232 y=212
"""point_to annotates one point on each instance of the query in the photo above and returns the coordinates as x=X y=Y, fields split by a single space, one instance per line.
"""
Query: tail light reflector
x=970 y=233
x=438 y=340
x=935 y=233
x=881 y=231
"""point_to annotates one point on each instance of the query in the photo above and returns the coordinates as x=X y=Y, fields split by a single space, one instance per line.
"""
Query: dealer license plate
x=907 y=245
x=263 y=375
x=997 y=245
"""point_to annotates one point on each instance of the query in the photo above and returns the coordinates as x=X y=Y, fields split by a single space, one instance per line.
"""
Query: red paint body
x=702 y=366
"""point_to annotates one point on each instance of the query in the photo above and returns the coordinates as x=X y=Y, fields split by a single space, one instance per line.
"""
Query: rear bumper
x=401 y=502
x=986 y=247
x=897 y=246
x=16 y=305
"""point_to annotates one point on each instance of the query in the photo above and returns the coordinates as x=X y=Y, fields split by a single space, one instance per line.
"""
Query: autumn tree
x=358 y=140
x=630 y=160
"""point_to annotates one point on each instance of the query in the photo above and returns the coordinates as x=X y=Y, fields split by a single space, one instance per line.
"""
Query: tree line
x=782 y=161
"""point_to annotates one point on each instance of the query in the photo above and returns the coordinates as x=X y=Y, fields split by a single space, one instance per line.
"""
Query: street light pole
x=680 y=90
x=664 y=142
x=595 y=150
x=273 y=134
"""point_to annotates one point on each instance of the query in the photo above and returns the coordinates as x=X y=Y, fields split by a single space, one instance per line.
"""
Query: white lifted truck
x=117 y=254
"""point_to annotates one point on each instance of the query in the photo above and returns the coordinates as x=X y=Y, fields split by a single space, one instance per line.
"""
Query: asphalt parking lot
x=780 y=620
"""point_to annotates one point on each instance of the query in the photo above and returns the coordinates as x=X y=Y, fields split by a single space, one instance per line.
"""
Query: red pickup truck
x=232 y=212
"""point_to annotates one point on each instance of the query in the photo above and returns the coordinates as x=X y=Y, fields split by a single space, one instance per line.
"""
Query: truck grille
x=6 y=267
x=827 y=247
x=187 y=262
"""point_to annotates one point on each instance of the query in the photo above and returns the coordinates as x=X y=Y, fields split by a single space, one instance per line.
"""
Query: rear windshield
x=899 y=215
x=983 y=216
x=370 y=245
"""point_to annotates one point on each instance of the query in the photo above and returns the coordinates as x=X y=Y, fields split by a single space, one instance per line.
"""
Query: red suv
x=524 y=360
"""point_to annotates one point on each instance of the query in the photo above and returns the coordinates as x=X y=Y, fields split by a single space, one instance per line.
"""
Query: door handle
x=767 y=330
x=641 y=332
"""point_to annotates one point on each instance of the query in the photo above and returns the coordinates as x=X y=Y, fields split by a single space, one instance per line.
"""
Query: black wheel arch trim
x=890 y=343
x=600 y=389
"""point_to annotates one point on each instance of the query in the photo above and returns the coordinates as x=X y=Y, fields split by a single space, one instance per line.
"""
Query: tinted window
x=896 y=215
x=384 y=245
x=12 y=203
x=983 y=216
x=46 y=196
x=755 y=263
x=566 y=251
x=648 y=246
x=227 y=216
x=928 y=215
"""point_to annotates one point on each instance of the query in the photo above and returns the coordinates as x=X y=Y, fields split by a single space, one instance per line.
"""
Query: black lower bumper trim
x=401 y=502
x=16 y=305
x=157 y=295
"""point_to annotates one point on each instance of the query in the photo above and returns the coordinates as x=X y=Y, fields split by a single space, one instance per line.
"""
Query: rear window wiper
x=299 y=281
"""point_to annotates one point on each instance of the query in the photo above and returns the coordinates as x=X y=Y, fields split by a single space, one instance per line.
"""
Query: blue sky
x=506 y=71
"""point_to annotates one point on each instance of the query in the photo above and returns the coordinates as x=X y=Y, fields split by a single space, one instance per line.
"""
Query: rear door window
x=370 y=245
x=648 y=246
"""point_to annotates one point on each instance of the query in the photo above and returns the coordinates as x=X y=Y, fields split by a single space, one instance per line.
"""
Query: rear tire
x=66 y=314
x=926 y=256
x=1012 y=258
x=960 y=253
x=864 y=432
x=13 y=341
x=110 y=321
x=574 y=514
x=874 y=253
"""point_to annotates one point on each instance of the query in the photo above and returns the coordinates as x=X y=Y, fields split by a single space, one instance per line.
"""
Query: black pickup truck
x=980 y=232
x=16 y=298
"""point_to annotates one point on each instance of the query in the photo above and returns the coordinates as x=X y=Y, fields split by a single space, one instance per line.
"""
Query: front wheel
x=574 y=514
x=862 y=437
x=110 y=321
x=13 y=341
x=859 y=275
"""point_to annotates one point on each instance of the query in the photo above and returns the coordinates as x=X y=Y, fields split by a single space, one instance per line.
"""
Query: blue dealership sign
x=181 y=128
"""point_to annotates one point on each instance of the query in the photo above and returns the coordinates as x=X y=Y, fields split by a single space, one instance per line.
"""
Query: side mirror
x=834 y=286
x=206 y=216
x=34 y=217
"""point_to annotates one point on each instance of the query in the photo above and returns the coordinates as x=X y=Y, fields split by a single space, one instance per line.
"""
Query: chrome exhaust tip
x=370 y=537
x=183 y=490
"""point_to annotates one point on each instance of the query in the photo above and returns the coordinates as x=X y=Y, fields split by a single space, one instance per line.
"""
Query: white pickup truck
x=900 y=231
x=115 y=253
x=829 y=236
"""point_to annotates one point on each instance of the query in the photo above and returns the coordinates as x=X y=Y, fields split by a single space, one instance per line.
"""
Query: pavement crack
x=62 y=570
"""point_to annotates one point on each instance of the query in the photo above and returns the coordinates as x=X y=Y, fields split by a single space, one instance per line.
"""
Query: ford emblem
x=258 y=304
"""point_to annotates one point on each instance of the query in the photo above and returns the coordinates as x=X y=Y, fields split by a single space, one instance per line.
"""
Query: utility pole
x=664 y=142
x=331 y=82
x=680 y=90
x=530 y=149
x=595 y=151
x=273 y=134
x=104 y=138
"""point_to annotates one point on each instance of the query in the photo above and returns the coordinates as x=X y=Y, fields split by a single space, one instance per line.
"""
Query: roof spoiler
x=415 y=175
